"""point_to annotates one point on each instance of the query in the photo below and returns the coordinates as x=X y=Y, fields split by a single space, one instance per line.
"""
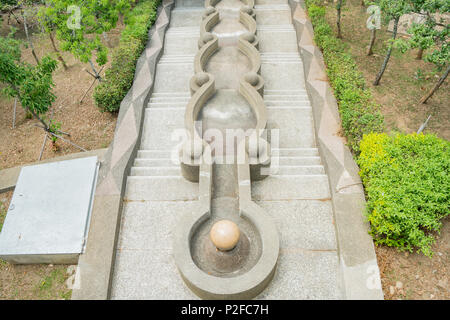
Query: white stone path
x=297 y=198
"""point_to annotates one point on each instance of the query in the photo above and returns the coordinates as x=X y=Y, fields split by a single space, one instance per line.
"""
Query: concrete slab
x=295 y=127
x=306 y=224
x=304 y=275
x=160 y=189
x=291 y=188
x=145 y=268
x=159 y=125
x=8 y=177
x=49 y=213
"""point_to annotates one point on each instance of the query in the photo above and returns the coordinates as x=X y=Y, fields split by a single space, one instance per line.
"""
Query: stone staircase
x=296 y=195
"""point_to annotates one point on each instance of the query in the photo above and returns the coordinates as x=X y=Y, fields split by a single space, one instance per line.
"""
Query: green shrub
x=359 y=113
x=119 y=77
x=407 y=180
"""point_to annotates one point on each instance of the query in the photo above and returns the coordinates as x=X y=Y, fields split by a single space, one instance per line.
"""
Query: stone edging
x=360 y=277
x=8 y=177
x=96 y=264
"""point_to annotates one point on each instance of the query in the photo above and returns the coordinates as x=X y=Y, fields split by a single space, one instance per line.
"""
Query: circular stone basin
x=236 y=261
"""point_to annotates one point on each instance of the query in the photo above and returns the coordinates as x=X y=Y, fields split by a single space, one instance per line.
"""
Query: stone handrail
x=211 y=17
x=208 y=44
x=248 y=20
x=248 y=45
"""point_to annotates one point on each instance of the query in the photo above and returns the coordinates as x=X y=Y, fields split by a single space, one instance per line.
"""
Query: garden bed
x=405 y=275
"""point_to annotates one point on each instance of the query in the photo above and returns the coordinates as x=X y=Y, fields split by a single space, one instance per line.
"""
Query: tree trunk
x=419 y=54
x=28 y=38
x=338 y=20
x=363 y=3
x=60 y=58
x=440 y=82
x=97 y=75
x=388 y=55
x=373 y=36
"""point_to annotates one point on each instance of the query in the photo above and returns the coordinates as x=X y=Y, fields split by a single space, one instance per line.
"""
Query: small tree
x=8 y=7
x=48 y=19
x=31 y=85
x=338 y=18
x=392 y=10
x=432 y=33
x=373 y=23
x=79 y=24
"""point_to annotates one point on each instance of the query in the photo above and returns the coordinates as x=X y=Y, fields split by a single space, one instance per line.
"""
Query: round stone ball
x=252 y=78
x=225 y=235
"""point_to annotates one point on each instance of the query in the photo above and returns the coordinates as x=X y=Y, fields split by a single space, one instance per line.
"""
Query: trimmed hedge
x=359 y=113
x=407 y=180
x=119 y=77
x=406 y=177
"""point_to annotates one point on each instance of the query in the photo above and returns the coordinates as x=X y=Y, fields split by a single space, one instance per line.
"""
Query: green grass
x=53 y=285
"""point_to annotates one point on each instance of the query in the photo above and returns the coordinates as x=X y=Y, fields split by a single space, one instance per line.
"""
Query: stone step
x=264 y=2
x=297 y=170
x=189 y=3
x=287 y=103
x=155 y=171
x=296 y=152
x=272 y=6
x=176 y=60
x=183 y=31
x=186 y=17
x=297 y=161
x=284 y=92
x=170 y=94
x=154 y=154
x=159 y=162
x=291 y=187
x=169 y=99
x=163 y=188
x=285 y=98
x=162 y=105
x=275 y=27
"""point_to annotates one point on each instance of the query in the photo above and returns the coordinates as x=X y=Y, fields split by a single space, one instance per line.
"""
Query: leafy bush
x=359 y=113
x=407 y=180
x=119 y=77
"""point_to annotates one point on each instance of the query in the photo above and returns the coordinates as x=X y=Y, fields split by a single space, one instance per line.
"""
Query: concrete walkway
x=298 y=198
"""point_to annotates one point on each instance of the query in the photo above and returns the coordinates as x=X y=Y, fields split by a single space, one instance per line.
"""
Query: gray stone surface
x=312 y=219
x=305 y=275
x=48 y=217
x=8 y=177
x=145 y=268
x=95 y=266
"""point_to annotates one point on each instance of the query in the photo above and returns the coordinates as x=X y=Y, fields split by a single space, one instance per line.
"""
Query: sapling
x=392 y=10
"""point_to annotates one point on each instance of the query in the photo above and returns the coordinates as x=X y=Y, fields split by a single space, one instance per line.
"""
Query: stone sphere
x=252 y=78
x=201 y=78
x=225 y=235
x=248 y=36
